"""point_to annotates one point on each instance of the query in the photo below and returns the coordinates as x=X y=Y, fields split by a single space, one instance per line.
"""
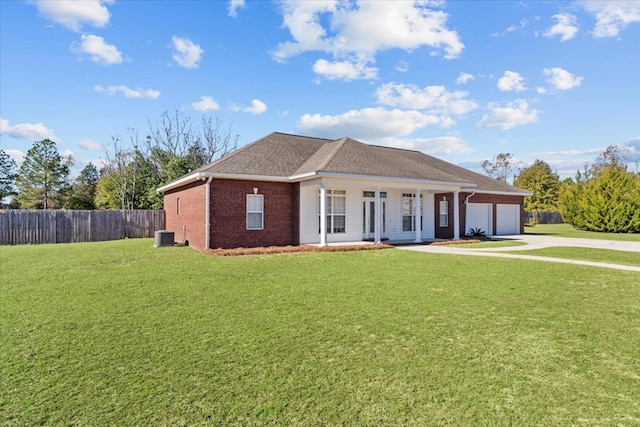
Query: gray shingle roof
x=285 y=155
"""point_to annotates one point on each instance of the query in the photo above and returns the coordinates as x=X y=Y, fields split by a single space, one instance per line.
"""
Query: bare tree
x=501 y=167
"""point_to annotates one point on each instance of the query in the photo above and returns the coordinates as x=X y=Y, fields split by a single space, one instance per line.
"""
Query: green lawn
x=121 y=333
x=566 y=230
x=491 y=244
x=587 y=254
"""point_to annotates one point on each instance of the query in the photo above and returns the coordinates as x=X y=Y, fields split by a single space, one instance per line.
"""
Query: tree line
x=604 y=196
x=129 y=173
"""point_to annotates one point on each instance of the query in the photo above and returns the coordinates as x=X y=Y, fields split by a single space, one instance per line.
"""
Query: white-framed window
x=409 y=211
x=336 y=211
x=444 y=213
x=255 y=211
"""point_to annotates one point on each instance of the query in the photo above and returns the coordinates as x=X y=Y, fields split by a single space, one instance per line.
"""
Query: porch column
x=378 y=218
x=323 y=215
x=456 y=215
x=418 y=218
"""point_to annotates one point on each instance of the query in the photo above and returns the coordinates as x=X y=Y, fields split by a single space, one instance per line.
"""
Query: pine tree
x=8 y=176
x=42 y=176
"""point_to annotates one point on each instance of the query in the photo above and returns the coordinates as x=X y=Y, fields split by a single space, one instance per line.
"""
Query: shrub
x=475 y=232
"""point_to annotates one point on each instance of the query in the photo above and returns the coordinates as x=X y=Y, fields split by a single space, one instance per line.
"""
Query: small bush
x=475 y=232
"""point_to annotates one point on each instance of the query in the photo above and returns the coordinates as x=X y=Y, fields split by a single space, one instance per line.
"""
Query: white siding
x=428 y=216
x=309 y=216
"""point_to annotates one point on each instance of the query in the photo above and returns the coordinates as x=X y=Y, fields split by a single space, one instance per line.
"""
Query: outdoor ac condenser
x=164 y=238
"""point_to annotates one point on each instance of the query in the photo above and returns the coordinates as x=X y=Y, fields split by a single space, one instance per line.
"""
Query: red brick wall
x=228 y=214
x=188 y=223
x=447 y=232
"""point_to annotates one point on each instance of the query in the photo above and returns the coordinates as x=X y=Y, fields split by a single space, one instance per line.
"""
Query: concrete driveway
x=538 y=242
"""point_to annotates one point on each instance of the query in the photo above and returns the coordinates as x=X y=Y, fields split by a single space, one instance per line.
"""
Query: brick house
x=288 y=190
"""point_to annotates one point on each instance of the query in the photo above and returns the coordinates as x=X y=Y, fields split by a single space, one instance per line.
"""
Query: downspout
x=466 y=199
x=466 y=208
x=207 y=221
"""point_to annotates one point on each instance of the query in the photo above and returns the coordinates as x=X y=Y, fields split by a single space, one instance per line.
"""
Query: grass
x=587 y=254
x=121 y=333
x=492 y=244
x=566 y=230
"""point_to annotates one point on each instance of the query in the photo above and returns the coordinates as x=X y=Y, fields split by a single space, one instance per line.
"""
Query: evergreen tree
x=543 y=183
x=8 y=169
x=42 y=176
x=82 y=192
x=611 y=201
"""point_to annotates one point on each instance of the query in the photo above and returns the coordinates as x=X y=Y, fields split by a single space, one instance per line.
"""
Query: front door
x=369 y=219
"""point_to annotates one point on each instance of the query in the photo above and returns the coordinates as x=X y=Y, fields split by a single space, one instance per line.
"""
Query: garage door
x=508 y=219
x=479 y=216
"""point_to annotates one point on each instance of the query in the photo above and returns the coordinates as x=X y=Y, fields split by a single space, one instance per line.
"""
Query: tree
x=42 y=176
x=543 y=183
x=8 y=174
x=501 y=167
x=173 y=148
x=606 y=198
x=83 y=190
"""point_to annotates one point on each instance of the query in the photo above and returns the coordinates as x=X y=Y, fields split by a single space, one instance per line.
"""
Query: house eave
x=187 y=179
x=379 y=178
x=503 y=193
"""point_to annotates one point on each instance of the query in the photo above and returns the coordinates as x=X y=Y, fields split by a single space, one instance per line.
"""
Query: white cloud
x=187 y=54
x=561 y=79
x=464 y=78
x=75 y=14
x=98 y=51
x=90 y=145
x=513 y=114
x=512 y=28
x=612 y=16
x=257 y=107
x=16 y=155
x=403 y=66
x=127 y=92
x=206 y=103
x=354 y=32
x=343 y=70
x=432 y=146
x=234 y=5
x=434 y=99
x=565 y=27
x=27 y=131
x=368 y=123
x=511 y=81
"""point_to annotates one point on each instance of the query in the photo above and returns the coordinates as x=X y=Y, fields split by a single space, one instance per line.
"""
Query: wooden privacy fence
x=19 y=227
x=544 y=217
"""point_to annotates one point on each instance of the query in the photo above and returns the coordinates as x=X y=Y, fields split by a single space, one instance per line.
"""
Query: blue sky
x=460 y=80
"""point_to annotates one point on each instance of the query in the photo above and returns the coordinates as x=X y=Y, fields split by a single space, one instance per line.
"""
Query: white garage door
x=508 y=219
x=479 y=215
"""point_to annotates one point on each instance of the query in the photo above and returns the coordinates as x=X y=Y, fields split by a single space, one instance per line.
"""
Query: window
x=336 y=211
x=409 y=211
x=444 y=213
x=255 y=211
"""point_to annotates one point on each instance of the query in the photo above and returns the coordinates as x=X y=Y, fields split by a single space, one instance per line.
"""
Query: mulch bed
x=270 y=250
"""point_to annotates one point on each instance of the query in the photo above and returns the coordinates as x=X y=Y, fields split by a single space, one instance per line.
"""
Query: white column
x=323 y=215
x=456 y=215
x=378 y=218
x=418 y=218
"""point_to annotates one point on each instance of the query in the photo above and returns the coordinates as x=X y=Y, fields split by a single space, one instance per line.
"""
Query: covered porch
x=343 y=211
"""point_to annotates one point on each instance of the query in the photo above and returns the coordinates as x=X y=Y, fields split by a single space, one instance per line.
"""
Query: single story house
x=288 y=190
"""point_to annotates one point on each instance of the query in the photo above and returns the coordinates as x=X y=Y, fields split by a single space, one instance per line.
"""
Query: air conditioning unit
x=164 y=238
